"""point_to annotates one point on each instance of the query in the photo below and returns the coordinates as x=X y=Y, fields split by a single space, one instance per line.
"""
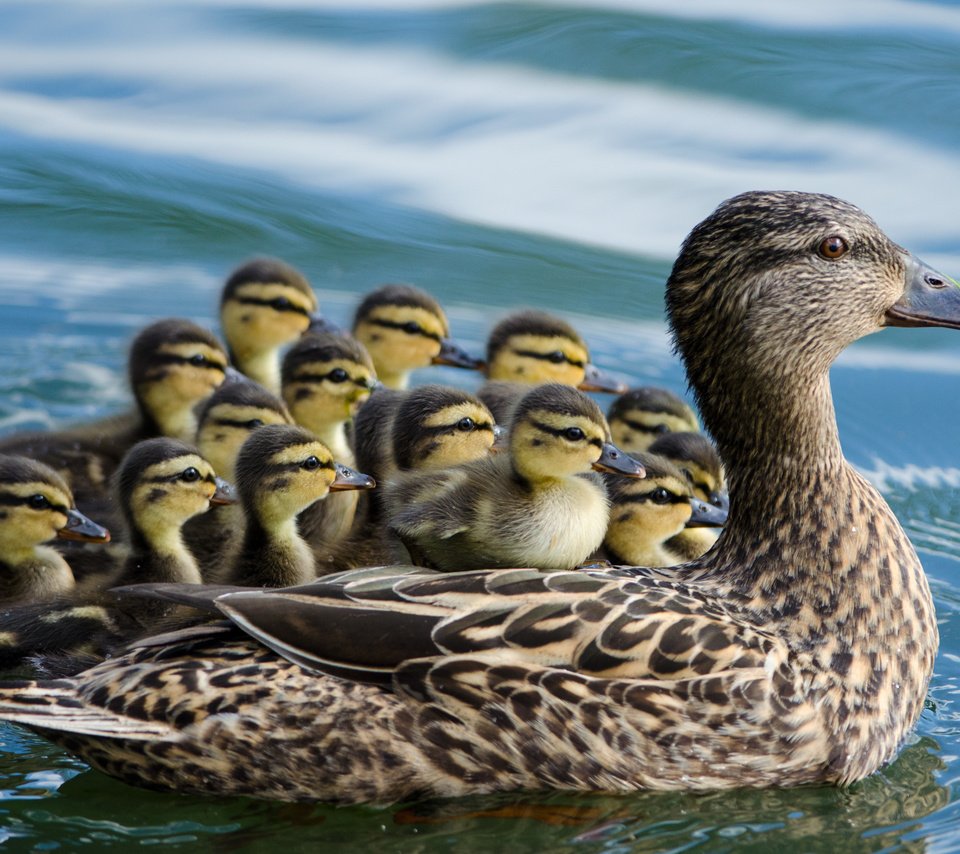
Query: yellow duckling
x=266 y=304
x=641 y=415
x=797 y=651
x=405 y=329
x=530 y=507
x=35 y=507
x=649 y=517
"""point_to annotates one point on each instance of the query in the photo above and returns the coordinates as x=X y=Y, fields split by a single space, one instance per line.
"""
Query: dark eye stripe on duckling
x=643 y=497
x=409 y=326
x=645 y=428
x=276 y=303
x=8 y=499
x=305 y=377
x=197 y=360
x=560 y=432
x=552 y=357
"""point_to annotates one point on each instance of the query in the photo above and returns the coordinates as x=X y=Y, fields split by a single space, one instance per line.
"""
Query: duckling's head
x=638 y=417
x=229 y=416
x=698 y=460
x=325 y=379
x=438 y=426
x=644 y=514
x=404 y=329
x=161 y=483
x=769 y=289
x=36 y=505
x=537 y=347
x=283 y=469
x=265 y=304
x=558 y=431
x=174 y=365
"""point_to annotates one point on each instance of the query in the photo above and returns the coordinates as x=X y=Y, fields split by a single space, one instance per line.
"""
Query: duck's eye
x=190 y=475
x=465 y=425
x=39 y=502
x=660 y=496
x=411 y=327
x=557 y=356
x=338 y=375
x=280 y=303
x=253 y=424
x=574 y=434
x=833 y=247
x=198 y=359
x=660 y=429
x=310 y=464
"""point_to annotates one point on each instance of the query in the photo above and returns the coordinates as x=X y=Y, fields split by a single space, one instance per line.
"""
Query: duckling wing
x=432 y=505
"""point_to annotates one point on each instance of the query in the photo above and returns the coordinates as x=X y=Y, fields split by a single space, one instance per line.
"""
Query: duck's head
x=161 y=483
x=264 y=305
x=537 y=347
x=174 y=365
x=36 y=506
x=770 y=288
x=229 y=416
x=325 y=379
x=644 y=514
x=557 y=431
x=404 y=329
x=641 y=415
x=698 y=460
x=438 y=426
x=282 y=469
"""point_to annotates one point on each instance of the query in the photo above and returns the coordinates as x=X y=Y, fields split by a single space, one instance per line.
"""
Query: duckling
x=641 y=415
x=649 y=517
x=531 y=347
x=173 y=365
x=325 y=380
x=281 y=470
x=526 y=508
x=265 y=304
x=698 y=460
x=35 y=507
x=404 y=329
x=797 y=651
x=227 y=419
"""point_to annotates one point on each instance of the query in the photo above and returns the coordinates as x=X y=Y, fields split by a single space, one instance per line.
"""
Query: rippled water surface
x=497 y=154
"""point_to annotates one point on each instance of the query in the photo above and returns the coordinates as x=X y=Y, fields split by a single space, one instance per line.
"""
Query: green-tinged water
x=550 y=154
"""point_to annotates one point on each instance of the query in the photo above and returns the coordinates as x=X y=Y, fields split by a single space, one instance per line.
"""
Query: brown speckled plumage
x=797 y=651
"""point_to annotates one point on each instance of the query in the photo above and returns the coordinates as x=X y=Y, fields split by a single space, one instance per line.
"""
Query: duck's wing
x=366 y=628
x=425 y=505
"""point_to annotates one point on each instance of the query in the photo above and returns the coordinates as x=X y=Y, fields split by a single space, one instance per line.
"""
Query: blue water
x=541 y=153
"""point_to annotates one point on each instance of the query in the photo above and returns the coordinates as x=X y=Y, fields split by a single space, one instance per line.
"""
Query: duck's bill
x=706 y=515
x=82 y=529
x=720 y=500
x=501 y=439
x=347 y=478
x=232 y=375
x=615 y=461
x=455 y=356
x=596 y=380
x=225 y=493
x=930 y=299
x=319 y=323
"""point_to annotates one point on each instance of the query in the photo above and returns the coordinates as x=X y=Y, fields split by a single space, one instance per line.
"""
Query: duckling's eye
x=411 y=327
x=338 y=375
x=310 y=464
x=280 y=303
x=190 y=475
x=198 y=359
x=660 y=429
x=833 y=247
x=574 y=434
x=253 y=424
x=466 y=424
x=660 y=496
x=557 y=356
x=39 y=502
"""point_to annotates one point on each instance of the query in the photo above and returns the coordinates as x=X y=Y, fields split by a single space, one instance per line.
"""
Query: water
x=542 y=153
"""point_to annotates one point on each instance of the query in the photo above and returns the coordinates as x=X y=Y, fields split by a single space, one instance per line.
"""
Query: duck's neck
x=160 y=557
x=36 y=574
x=273 y=555
x=262 y=366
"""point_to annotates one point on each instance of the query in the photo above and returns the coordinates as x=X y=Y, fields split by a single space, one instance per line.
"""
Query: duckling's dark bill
x=706 y=515
x=930 y=298
x=455 y=356
x=347 y=478
x=80 y=528
x=613 y=460
x=224 y=493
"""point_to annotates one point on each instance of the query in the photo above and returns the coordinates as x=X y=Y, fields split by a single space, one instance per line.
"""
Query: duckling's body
x=265 y=304
x=641 y=415
x=281 y=470
x=36 y=506
x=404 y=329
x=797 y=651
x=526 y=508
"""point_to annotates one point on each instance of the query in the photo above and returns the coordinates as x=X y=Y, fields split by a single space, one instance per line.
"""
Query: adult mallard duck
x=404 y=329
x=797 y=651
